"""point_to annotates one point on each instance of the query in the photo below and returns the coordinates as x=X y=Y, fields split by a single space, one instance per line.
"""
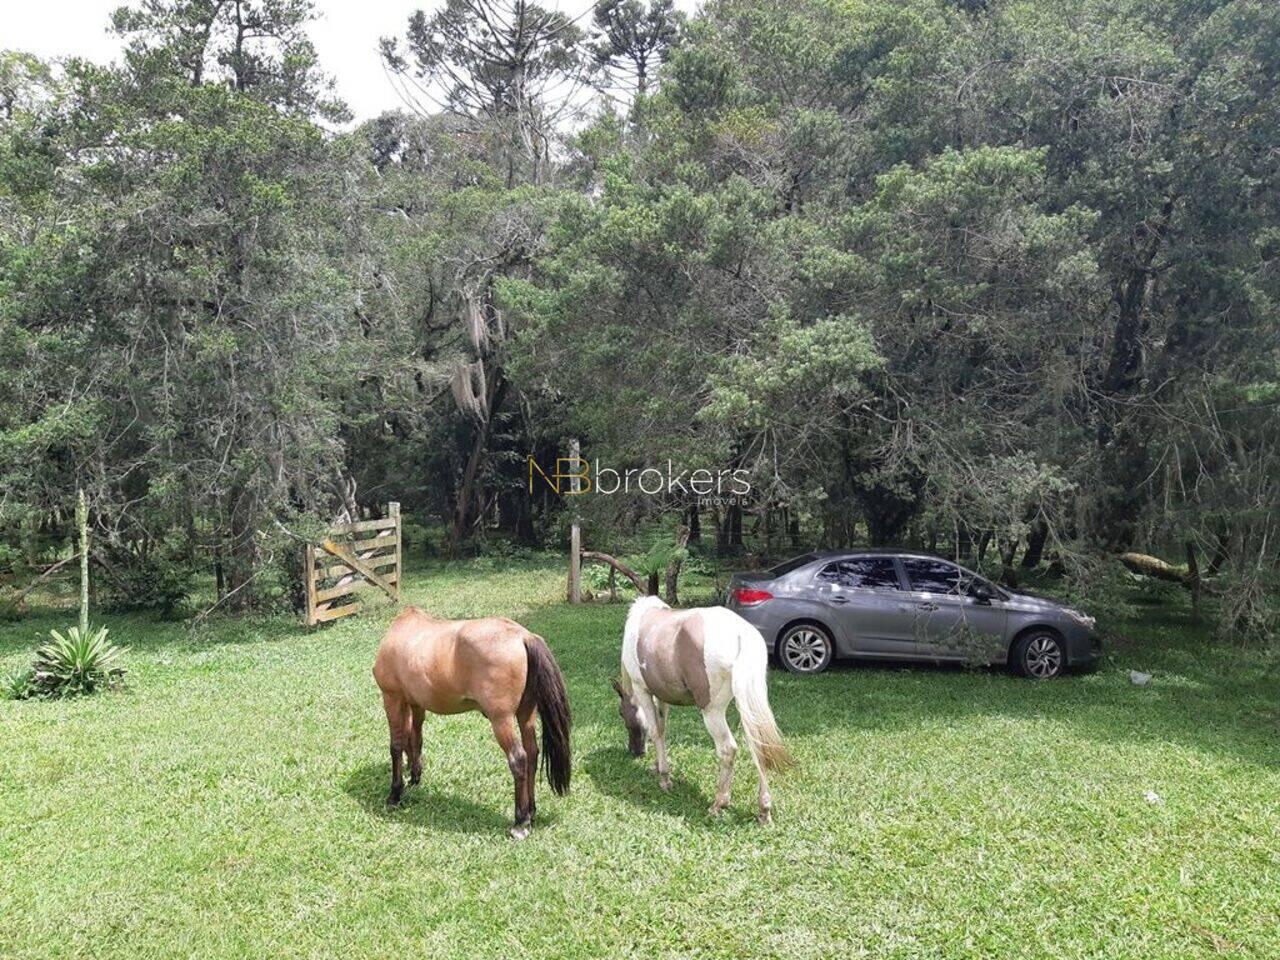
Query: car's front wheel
x=1039 y=655
x=806 y=648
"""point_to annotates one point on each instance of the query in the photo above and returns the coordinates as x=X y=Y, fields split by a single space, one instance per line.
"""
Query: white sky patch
x=346 y=36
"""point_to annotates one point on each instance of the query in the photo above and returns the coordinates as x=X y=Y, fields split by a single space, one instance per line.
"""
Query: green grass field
x=230 y=804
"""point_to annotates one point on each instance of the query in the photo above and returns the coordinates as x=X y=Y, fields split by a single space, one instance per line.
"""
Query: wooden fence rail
x=366 y=554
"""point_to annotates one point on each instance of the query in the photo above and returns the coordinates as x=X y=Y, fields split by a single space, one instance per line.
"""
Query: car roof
x=879 y=551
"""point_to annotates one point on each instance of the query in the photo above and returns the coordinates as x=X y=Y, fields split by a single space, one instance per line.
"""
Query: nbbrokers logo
x=592 y=477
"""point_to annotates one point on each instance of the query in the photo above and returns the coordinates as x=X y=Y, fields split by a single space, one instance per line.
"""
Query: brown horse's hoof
x=520 y=831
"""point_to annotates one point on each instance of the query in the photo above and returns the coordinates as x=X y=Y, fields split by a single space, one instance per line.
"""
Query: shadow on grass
x=616 y=773
x=1205 y=696
x=1190 y=706
x=425 y=806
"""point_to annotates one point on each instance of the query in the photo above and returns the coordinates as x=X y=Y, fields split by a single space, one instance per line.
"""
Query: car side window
x=863 y=573
x=933 y=576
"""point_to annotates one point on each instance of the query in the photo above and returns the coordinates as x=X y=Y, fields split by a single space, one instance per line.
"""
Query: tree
x=512 y=65
x=633 y=39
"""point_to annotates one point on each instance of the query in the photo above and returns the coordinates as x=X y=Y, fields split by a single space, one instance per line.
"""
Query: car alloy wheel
x=1042 y=656
x=805 y=649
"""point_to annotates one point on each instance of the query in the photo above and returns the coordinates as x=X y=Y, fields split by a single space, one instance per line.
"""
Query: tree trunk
x=1008 y=576
x=1035 y=545
x=1220 y=552
x=695 y=523
x=735 y=528
x=464 y=507
x=243 y=550
x=1193 y=577
x=673 y=580
x=673 y=568
x=983 y=542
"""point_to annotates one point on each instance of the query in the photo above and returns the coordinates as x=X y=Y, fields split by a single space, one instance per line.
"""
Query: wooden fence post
x=309 y=571
x=575 y=534
x=393 y=511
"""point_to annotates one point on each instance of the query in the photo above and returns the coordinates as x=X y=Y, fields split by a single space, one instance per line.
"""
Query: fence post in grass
x=82 y=525
x=393 y=511
x=309 y=573
x=575 y=533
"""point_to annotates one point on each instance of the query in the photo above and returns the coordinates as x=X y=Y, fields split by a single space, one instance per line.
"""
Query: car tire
x=1039 y=655
x=805 y=648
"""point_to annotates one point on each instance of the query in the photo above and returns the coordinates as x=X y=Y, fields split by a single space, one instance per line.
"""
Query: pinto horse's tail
x=750 y=690
x=546 y=685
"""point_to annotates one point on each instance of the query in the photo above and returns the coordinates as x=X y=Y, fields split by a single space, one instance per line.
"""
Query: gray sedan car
x=902 y=605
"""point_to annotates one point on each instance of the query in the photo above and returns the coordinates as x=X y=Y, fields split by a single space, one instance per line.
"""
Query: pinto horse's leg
x=528 y=721
x=508 y=737
x=415 y=746
x=655 y=725
x=664 y=766
x=726 y=749
x=398 y=724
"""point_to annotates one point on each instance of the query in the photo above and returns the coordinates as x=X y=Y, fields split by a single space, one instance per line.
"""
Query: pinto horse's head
x=631 y=717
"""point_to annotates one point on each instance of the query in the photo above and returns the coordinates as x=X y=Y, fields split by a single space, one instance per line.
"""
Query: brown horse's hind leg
x=415 y=746
x=398 y=724
x=504 y=731
x=527 y=718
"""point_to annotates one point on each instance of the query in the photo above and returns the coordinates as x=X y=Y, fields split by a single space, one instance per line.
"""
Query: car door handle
x=839 y=599
x=927 y=606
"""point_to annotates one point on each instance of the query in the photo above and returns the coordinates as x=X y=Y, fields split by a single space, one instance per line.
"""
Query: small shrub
x=18 y=684
x=151 y=583
x=76 y=663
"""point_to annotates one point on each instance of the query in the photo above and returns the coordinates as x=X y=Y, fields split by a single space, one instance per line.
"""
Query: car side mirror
x=982 y=592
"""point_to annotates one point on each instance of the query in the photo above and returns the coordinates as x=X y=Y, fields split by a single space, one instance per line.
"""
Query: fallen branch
x=17 y=600
x=1187 y=576
x=1148 y=566
x=204 y=614
x=618 y=565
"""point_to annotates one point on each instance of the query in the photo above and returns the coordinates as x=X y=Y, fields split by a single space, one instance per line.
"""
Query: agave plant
x=77 y=663
x=18 y=684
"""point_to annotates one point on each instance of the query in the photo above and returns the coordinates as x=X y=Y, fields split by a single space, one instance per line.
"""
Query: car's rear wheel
x=1039 y=655
x=806 y=648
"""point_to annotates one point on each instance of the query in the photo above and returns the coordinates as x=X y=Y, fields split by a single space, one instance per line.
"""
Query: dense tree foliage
x=988 y=277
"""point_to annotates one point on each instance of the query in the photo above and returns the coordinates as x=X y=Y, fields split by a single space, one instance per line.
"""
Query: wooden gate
x=353 y=556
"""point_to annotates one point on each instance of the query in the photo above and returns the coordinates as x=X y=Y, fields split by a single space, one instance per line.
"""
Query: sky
x=345 y=35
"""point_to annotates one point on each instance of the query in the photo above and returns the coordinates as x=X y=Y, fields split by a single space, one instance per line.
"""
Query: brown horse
x=492 y=665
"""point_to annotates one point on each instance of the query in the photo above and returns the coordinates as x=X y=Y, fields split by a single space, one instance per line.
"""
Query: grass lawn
x=230 y=804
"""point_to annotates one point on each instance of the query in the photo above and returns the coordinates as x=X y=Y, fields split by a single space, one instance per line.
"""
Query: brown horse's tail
x=546 y=684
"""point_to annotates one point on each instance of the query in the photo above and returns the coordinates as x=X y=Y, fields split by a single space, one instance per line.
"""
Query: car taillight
x=749 y=596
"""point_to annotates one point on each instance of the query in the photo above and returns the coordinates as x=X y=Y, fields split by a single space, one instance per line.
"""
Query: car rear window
x=866 y=573
x=795 y=563
x=932 y=576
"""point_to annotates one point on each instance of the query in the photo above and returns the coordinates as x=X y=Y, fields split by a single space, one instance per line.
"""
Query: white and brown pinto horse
x=703 y=657
x=492 y=665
